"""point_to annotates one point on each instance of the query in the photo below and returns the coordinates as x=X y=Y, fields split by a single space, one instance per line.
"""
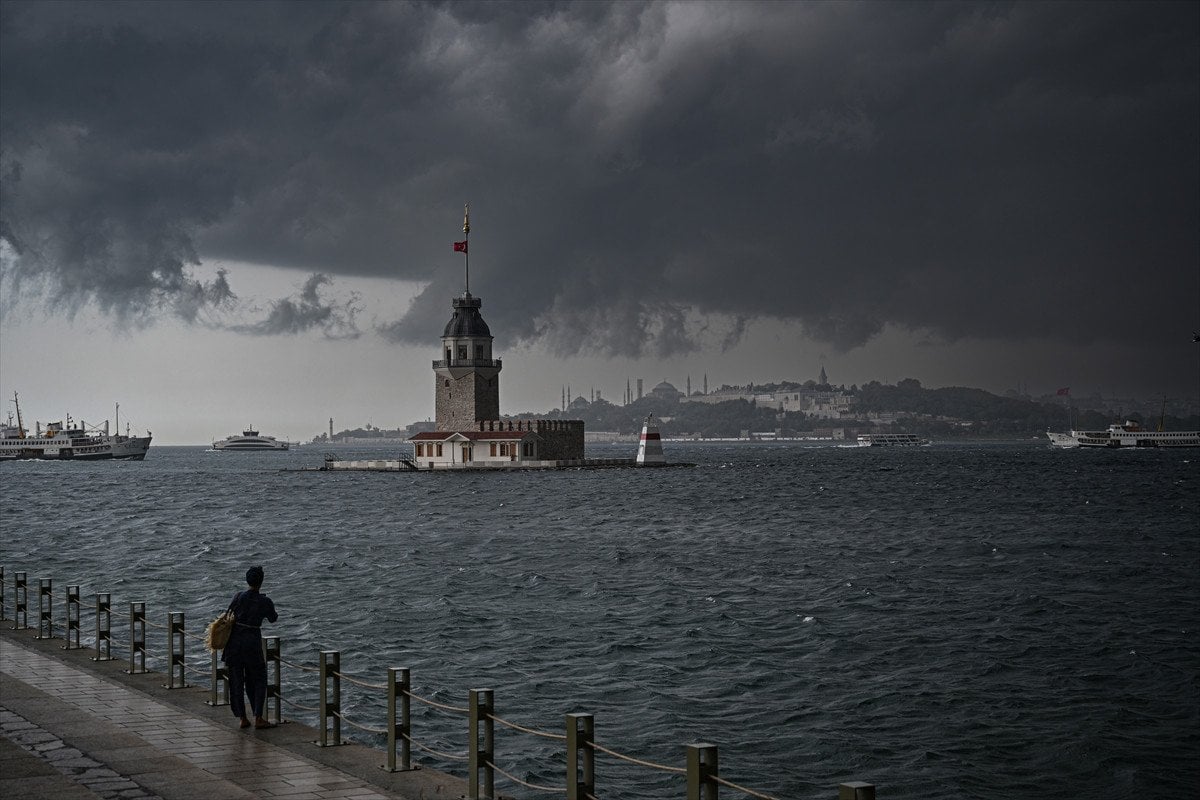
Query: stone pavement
x=74 y=728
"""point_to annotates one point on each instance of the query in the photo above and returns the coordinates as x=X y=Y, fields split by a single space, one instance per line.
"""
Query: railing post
x=72 y=635
x=45 y=609
x=399 y=730
x=480 y=757
x=274 y=654
x=701 y=769
x=175 y=650
x=856 y=790
x=137 y=638
x=103 y=627
x=218 y=682
x=20 y=601
x=331 y=700
x=3 y=589
x=581 y=732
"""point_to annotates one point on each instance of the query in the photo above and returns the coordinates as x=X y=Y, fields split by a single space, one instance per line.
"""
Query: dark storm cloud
x=308 y=311
x=643 y=177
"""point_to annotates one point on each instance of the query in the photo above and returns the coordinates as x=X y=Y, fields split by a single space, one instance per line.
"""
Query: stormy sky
x=260 y=198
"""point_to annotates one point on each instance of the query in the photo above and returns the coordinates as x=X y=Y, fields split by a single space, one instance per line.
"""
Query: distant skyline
x=229 y=213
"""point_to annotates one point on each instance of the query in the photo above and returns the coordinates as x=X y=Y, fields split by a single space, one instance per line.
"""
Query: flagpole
x=467 y=240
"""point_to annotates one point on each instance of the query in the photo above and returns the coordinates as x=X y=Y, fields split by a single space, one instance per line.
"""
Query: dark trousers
x=247 y=680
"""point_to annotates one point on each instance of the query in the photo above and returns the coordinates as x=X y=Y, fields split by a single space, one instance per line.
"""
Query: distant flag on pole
x=460 y=247
x=1064 y=392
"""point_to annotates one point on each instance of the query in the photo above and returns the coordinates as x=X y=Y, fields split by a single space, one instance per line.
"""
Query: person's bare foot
x=259 y=722
x=245 y=723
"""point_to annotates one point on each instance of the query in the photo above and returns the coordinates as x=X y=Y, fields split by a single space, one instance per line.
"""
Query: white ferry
x=1131 y=434
x=68 y=442
x=891 y=440
x=250 y=440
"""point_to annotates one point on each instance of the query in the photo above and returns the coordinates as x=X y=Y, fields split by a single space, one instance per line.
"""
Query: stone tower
x=468 y=378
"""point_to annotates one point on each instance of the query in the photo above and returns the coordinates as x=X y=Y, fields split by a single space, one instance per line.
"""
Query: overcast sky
x=221 y=214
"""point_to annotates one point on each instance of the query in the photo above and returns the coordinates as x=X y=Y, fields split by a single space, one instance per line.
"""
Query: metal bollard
x=176 y=663
x=701 y=769
x=137 y=639
x=20 y=602
x=274 y=656
x=581 y=733
x=72 y=635
x=45 y=609
x=480 y=757
x=103 y=627
x=219 y=678
x=331 y=701
x=399 y=730
x=856 y=790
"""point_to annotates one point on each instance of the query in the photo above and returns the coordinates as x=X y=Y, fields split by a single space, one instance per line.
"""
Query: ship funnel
x=650 y=444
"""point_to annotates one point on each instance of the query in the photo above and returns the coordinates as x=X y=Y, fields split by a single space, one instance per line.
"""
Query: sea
x=962 y=620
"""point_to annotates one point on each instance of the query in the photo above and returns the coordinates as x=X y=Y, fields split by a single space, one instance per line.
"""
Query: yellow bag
x=216 y=635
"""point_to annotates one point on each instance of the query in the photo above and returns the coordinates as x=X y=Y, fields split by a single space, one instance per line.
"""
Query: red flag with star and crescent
x=460 y=247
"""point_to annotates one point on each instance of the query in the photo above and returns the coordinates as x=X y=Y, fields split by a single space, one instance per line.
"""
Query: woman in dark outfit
x=244 y=651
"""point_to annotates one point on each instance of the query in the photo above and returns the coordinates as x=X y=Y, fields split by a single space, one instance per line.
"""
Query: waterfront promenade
x=72 y=727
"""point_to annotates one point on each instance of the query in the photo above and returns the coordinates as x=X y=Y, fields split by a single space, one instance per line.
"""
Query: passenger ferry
x=1130 y=434
x=891 y=440
x=68 y=442
x=250 y=440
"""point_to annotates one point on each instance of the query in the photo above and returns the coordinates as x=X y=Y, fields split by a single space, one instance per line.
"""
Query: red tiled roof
x=474 y=436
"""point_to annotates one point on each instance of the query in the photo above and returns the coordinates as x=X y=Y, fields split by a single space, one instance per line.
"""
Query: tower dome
x=466 y=319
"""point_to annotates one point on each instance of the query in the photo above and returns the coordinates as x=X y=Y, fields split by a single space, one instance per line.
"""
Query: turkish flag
x=1061 y=392
x=460 y=247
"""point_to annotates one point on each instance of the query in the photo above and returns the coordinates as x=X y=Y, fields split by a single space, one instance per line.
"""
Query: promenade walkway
x=74 y=728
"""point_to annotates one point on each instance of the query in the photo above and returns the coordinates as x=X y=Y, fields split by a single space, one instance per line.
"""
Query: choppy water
x=985 y=621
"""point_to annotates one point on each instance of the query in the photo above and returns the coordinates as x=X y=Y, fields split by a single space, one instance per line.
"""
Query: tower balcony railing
x=468 y=362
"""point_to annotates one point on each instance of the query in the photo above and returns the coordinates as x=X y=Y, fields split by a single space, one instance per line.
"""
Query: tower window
x=447 y=379
x=462 y=352
x=479 y=351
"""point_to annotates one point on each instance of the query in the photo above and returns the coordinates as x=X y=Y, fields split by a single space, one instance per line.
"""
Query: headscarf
x=254 y=577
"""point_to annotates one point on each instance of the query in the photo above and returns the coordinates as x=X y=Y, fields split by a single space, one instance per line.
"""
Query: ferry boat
x=891 y=440
x=1129 y=434
x=68 y=442
x=250 y=440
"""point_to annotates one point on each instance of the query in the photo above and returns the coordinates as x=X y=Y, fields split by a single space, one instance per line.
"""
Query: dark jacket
x=250 y=608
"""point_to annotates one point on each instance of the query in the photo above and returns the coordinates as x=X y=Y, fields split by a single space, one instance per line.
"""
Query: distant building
x=665 y=391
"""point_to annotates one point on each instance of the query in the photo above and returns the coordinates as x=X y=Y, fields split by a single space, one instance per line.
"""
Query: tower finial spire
x=466 y=238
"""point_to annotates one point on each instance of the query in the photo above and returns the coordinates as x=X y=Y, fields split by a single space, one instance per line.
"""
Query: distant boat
x=1131 y=434
x=250 y=440
x=891 y=440
x=67 y=442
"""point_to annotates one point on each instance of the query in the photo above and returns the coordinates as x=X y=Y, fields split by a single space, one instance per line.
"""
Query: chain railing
x=700 y=772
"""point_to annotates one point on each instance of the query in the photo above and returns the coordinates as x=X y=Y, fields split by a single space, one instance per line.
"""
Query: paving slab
x=72 y=727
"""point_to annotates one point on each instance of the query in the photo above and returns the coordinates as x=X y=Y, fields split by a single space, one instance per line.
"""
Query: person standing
x=243 y=654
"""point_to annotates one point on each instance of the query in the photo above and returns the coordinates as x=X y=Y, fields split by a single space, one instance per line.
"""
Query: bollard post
x=218 y=682
x=480 y=757
x=72 y=636
x=3 y=589
x=856 y=790
x=399 y=730
x=45 y=609
x=701 y=769
x=274 y=655
x=103 y=627
x=331 y=700
x=137 y=639
x=176 y=663
x=581 y=733
x=20 y=602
